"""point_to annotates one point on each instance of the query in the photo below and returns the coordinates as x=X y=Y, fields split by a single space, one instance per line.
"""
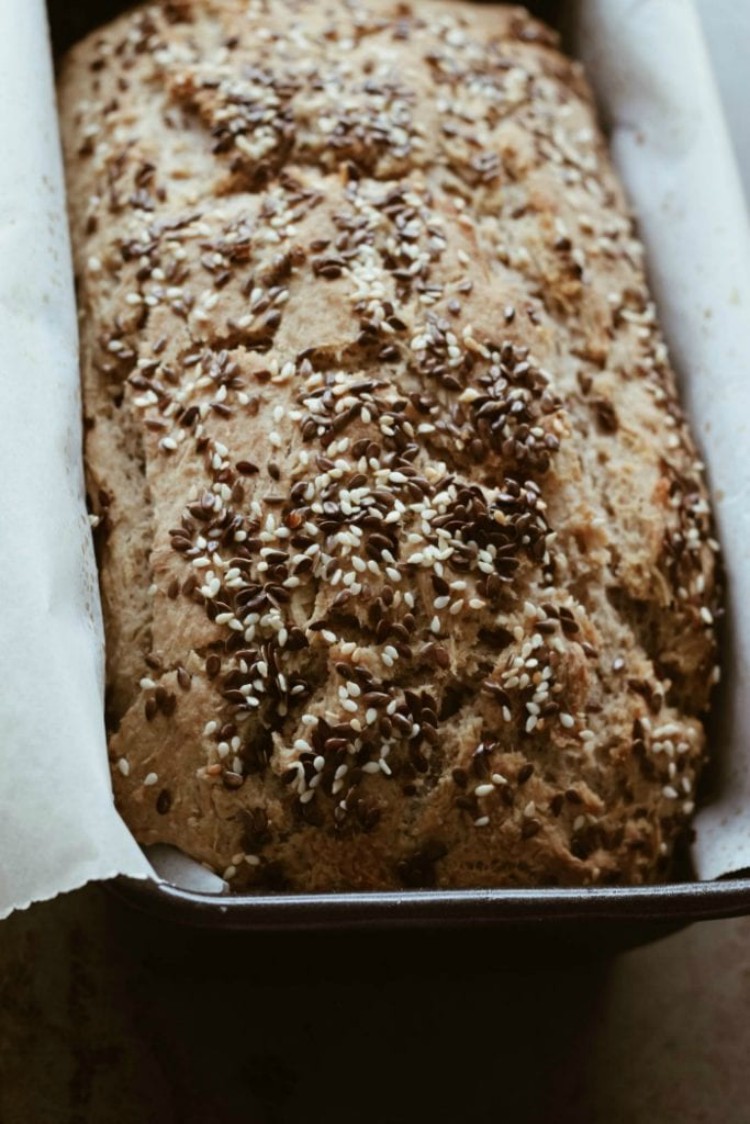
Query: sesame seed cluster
x=405 y=551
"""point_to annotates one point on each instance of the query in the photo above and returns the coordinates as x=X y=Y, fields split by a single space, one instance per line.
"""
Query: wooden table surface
x=103 y=1019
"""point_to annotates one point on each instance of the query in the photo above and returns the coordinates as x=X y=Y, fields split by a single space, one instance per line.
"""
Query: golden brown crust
x=405 y=550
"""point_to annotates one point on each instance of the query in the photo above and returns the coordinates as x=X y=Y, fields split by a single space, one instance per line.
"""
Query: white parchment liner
x=58 y=826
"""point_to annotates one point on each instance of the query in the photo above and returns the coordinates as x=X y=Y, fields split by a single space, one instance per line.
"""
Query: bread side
x=404 y=544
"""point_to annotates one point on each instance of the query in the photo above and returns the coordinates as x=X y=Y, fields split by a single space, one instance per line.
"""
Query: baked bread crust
x=405 y=550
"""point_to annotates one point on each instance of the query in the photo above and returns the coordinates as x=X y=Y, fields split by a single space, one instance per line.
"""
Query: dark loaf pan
x=605 y=918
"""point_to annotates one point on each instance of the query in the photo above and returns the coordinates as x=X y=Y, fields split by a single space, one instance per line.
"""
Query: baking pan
x=610 y=917
x=641 y=909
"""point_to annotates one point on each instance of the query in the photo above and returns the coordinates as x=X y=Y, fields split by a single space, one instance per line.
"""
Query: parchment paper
x=726 y=29
x=58 y=826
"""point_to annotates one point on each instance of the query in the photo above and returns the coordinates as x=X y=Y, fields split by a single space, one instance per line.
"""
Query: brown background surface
x=106 y=1019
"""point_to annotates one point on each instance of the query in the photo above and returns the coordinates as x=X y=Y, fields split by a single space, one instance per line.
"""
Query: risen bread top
x=405 y=551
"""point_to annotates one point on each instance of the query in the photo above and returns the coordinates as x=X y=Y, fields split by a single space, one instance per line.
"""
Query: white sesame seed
x=150 y=779
x=124 y=766
x=484 y=790
x=567 y=720
x=668 y=730
x=482 y=821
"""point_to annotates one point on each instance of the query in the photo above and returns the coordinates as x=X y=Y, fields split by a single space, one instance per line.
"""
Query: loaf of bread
x=405 y=549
